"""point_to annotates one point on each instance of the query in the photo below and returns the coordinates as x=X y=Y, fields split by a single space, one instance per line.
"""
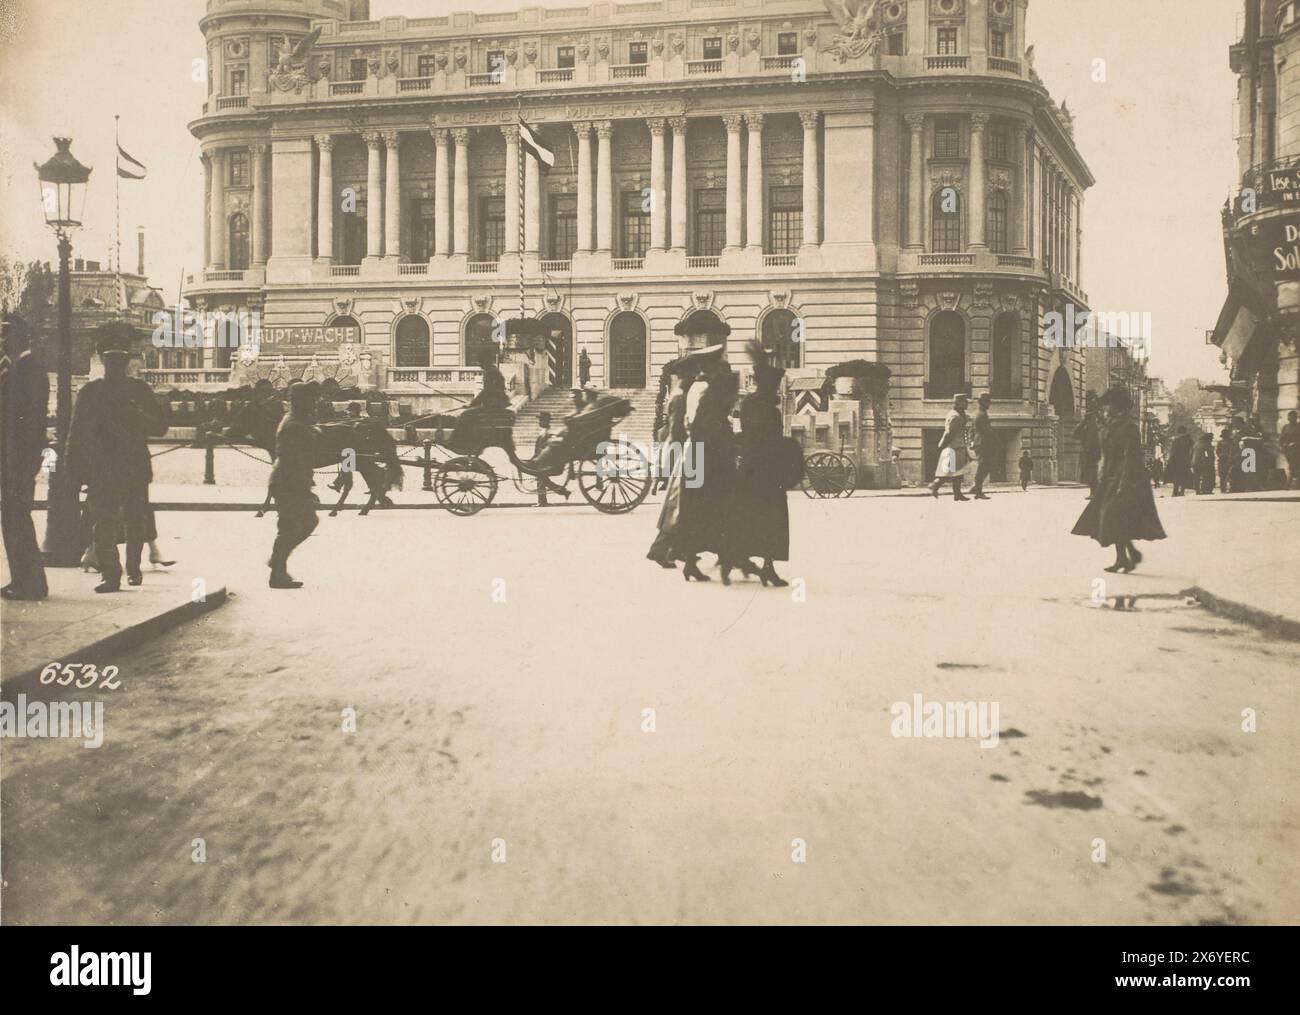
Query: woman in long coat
x=1124 y=507
x=706 y=495
x=953 y=453
x=758 y=523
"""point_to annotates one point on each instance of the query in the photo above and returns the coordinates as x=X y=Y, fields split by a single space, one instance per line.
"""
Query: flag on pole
x=534 y=147
x=129 y=168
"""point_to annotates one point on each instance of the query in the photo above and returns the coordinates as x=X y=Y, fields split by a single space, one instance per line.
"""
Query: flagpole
x=523 y=178
x=117 y=180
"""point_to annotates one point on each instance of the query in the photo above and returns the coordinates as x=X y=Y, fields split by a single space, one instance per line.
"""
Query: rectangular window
x=496 y=61
x=238 y=81
x=946 y=41
x=564 y=226
x=424 y=65
x=713 y=48
x=998 y=147
x=420 y=229
x=358 y=69
x=638 y=52
x=998 y=44
x=947 y=139
x=785 y=220
x=565 y=58
x=275 y=46
x=353 y=227
x=897 y=44
x=491 y=228
x=636 y=225
x=787 y=44
x=710 y=222
x=239 y=169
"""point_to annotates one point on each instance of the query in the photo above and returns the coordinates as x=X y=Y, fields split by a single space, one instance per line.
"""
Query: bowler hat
x=703 y=322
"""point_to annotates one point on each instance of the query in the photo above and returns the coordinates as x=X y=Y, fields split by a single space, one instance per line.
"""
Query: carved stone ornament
x=733 y=42
x=292 y=71
x=702 y=299
x=911 y=293
x=460 y=59
x=1000 y=179
x=947 y=8
x=679 y=44
x=482 y=302
x=983 y=294
x=602 y=49
x=859 y=33
x=949 y=178
x=659 y=45
x=343 y=307
x=440 y=60
x=584 y=50
x=347 y=354
x=754 y=39
x=949 y=300
x=409 y=306
x=554 y=300
x=393 y=60
x=627 y=300
x=779 y=298
x=530 y=51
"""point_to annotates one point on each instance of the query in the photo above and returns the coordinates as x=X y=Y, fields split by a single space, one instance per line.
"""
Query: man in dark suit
x=24 y=401
x=1180 y=462
x=108 y=450
x=295 y=452
x=981 y=445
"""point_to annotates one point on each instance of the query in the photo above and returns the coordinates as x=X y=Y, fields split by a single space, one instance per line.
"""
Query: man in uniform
x=108 y=450
x=295 y=446
x=24 y=401
x=981 y=445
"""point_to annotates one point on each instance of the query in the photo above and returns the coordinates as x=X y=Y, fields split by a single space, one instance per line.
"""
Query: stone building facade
x=888 y=182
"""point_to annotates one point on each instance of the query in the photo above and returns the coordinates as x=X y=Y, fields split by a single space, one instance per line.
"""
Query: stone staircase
x=638 y=427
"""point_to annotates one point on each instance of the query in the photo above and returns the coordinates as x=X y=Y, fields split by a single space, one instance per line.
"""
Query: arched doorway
x=627 y=351
x=946 y=372
x=558 y=330
x=779 y=339
x=480 y=340
x=412 y=346
x=1061 y=395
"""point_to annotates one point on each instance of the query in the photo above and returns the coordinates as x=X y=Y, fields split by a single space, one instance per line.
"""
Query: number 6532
x=80 y=675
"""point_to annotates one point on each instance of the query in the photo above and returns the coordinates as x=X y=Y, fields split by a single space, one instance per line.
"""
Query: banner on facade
x=310 y=340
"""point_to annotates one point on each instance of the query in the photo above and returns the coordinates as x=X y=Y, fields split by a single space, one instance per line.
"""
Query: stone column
x=916 y=182
x=1020 y=191
x=605 y=188
x=584 y=187
x=511 y=133
x=978 y=186
x=461 y=235
x=658 y=188
x=393 y=196
x=441 y=195
x=261 y=202
x=1033 y=199
x=812 y=191
x=754 y=184
x=679 y=240
x=207 y=209
x=374 y=197
x=217 y=256
x=325 y=198
x=532 y=205
x=735 y=197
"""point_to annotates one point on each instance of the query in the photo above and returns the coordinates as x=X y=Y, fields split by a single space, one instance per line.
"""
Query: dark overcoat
x=1123 y=508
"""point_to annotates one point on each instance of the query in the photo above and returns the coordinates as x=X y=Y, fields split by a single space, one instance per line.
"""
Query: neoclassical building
x=888 y=182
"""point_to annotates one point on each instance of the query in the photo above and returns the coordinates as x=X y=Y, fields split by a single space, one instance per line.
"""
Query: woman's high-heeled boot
x=769 y=576
x=692 y=572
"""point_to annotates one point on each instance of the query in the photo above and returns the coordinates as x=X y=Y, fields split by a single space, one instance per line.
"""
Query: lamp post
x=63 y=196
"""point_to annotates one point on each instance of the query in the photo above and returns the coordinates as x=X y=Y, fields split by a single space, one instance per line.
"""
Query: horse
x=363 y=442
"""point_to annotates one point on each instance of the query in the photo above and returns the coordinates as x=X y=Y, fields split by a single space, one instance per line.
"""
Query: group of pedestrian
x=725 y=496
x=964 y=440
x=1238 y=459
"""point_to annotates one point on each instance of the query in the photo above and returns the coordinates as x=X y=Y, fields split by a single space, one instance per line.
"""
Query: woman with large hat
x=1124 y=507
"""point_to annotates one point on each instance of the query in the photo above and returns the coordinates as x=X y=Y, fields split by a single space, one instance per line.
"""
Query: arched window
x=1062 y=394
x=779 y=339
x=412 y=342
x=947 y=369
x=945 y=221
x=1004 y=372
x=627 y=351
x=239 y=256
x=997 y=222
x=480 y=340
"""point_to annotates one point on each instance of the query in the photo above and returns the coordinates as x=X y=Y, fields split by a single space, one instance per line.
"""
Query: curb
x=136 y=635
x=1272 y=624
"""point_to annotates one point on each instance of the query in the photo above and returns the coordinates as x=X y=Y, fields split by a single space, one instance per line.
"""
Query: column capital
x=810 y=118
x=510 y=131
x=978 y=121
x=604 y=129
x=325 y=142
x=392 y=138
x=733 y=122
x=460 y=135
x=439 y=135
x=915 y=122
x=656 y=125
x=372 y=138
x=678 y=124
x=754 y=121
x=582 y=128
x=257 y=150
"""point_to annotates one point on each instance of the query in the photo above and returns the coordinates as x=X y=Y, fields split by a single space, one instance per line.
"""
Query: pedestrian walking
x=672 y=434
x=295 y=449
x=24 y=404
x=1229 y=456
x=1026 y=469
x=1088 y=434
x=981 y=445
x=584 y=368
x=1158 y=470
x=1124 y=508
x=953 y=454
x=1289 y=440
x=1203 y=465
x=1180 y=462
x=1250 y=459
x=108 y=451
x=758 y=523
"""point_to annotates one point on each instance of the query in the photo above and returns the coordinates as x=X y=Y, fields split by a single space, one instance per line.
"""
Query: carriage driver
x=295 y=441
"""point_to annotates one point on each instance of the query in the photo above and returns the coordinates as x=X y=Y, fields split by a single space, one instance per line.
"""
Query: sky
x=1156 y=132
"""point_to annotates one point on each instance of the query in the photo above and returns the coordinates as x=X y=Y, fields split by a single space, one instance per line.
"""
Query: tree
x=27 y=290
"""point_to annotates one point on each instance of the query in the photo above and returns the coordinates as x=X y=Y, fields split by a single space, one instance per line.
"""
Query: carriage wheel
x=829 y=475
x=465 y=486
x=844 y=476
x=815 y=483
x=616 y=480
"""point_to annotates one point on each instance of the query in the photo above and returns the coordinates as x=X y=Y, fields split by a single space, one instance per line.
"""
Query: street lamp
x=63 y=196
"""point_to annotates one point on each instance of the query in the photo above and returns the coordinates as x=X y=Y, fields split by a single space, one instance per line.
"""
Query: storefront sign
x=318 y=339
x=1281 y=188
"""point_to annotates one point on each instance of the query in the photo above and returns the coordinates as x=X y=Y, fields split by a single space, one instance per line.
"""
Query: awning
x=1235 y=327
